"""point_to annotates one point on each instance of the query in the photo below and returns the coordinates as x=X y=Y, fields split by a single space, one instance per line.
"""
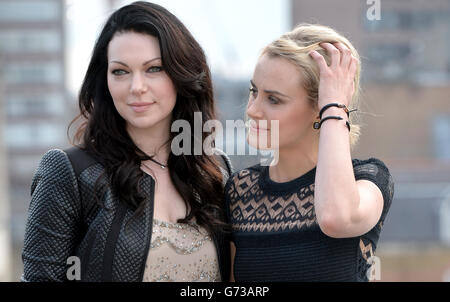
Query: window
x=382 y=54
x=30 y=41
x=403 y=20
x=23 y=166
x=27 y=72
x=29 y=10
x=33 y=104
x=444 y=221
x=389 y=21
x=29 y=135
x=441 y=137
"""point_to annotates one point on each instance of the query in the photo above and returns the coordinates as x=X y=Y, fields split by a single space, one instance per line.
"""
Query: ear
x=315 y=107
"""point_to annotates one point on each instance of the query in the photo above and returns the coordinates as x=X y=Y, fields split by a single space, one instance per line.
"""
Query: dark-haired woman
x=120 y=206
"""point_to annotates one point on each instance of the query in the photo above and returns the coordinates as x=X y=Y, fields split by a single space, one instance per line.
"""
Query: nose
x=254 y=109
x=138 y=85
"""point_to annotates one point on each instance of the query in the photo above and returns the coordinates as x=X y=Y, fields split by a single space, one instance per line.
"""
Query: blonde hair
x=296 y=45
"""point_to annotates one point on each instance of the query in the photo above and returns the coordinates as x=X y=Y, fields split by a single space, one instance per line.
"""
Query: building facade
x=32 y=44
x=405 y=117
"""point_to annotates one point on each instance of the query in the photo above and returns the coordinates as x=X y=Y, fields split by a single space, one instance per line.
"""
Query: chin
x=255 y=142
x=143 y=123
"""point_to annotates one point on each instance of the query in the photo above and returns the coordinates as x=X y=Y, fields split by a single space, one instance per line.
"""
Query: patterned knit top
x=276 y=234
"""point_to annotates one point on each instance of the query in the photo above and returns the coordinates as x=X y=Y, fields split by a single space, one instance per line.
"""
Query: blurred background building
x=5 y=230
x=34 y=101
x=406 y=121
x=405 y=108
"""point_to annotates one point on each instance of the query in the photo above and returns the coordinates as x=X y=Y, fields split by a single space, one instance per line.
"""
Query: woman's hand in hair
x=337 y=79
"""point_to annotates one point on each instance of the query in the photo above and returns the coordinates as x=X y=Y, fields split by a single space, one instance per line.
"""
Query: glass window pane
x=27 y=72
x=30 y=41
x=441 y=137
x=29 y=10
x=41 y=135
x=23 y=105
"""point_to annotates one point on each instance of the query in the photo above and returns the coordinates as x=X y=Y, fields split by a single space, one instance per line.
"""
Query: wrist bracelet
x=333 y=118
x=342 y=106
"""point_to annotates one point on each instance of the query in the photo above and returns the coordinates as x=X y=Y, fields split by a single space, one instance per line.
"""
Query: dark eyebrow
x=145 y=63
x=271 y=91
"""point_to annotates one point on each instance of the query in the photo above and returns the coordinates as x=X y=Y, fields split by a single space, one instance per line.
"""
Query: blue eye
x=155 y=69
x=118 y=72
x=273 y=100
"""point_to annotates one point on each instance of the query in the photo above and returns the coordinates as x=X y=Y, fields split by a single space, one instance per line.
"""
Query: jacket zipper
x=111 y=241
x=149 y=238
x=87 y=254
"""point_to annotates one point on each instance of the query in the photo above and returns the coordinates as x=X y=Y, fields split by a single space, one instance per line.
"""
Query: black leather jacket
x=64 y=221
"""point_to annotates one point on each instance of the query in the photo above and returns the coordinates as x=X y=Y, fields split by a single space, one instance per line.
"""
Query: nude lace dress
x=182 y=253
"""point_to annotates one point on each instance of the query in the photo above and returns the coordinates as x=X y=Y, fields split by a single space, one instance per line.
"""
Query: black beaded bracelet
x=334 y=118
x=342 y=106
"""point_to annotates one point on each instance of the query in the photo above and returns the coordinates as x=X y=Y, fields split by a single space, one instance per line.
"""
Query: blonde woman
x=315 y=215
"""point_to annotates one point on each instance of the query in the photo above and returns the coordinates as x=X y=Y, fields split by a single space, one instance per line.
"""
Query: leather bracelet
x=334 y=118
x=342 y=106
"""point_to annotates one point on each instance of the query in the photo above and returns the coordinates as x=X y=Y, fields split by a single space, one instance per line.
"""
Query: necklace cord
x=156 y=162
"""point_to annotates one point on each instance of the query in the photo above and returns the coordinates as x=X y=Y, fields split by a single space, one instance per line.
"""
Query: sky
x=232 y=32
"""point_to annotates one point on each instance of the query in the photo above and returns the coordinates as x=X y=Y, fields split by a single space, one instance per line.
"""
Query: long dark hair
x=103 y=133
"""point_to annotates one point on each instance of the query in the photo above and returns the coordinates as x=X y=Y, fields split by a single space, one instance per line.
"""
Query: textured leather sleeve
x=226 y=167
x=52 y=231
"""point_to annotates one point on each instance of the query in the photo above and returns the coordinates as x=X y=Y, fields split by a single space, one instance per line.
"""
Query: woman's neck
x=152 y=142
x=294 y=162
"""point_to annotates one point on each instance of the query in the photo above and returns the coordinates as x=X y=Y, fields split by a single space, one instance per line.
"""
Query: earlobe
x=316 y=124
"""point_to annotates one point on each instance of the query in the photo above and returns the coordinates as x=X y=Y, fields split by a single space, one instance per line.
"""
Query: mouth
x=141 y=106
x=253 y=126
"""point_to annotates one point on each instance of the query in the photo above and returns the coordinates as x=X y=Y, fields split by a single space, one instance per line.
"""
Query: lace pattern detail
x=181 y=252
x=365 y=260
x=258 y=207
x=251 y=210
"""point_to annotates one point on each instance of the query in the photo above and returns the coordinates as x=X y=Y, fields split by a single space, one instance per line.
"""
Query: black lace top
x=276 y=234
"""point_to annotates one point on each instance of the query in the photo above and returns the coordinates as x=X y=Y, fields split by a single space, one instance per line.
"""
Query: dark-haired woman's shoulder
x=59 y=162
x=54 y=164
x=54 y=212
x=225 y=163
x=54 y=180
x=376 y=171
